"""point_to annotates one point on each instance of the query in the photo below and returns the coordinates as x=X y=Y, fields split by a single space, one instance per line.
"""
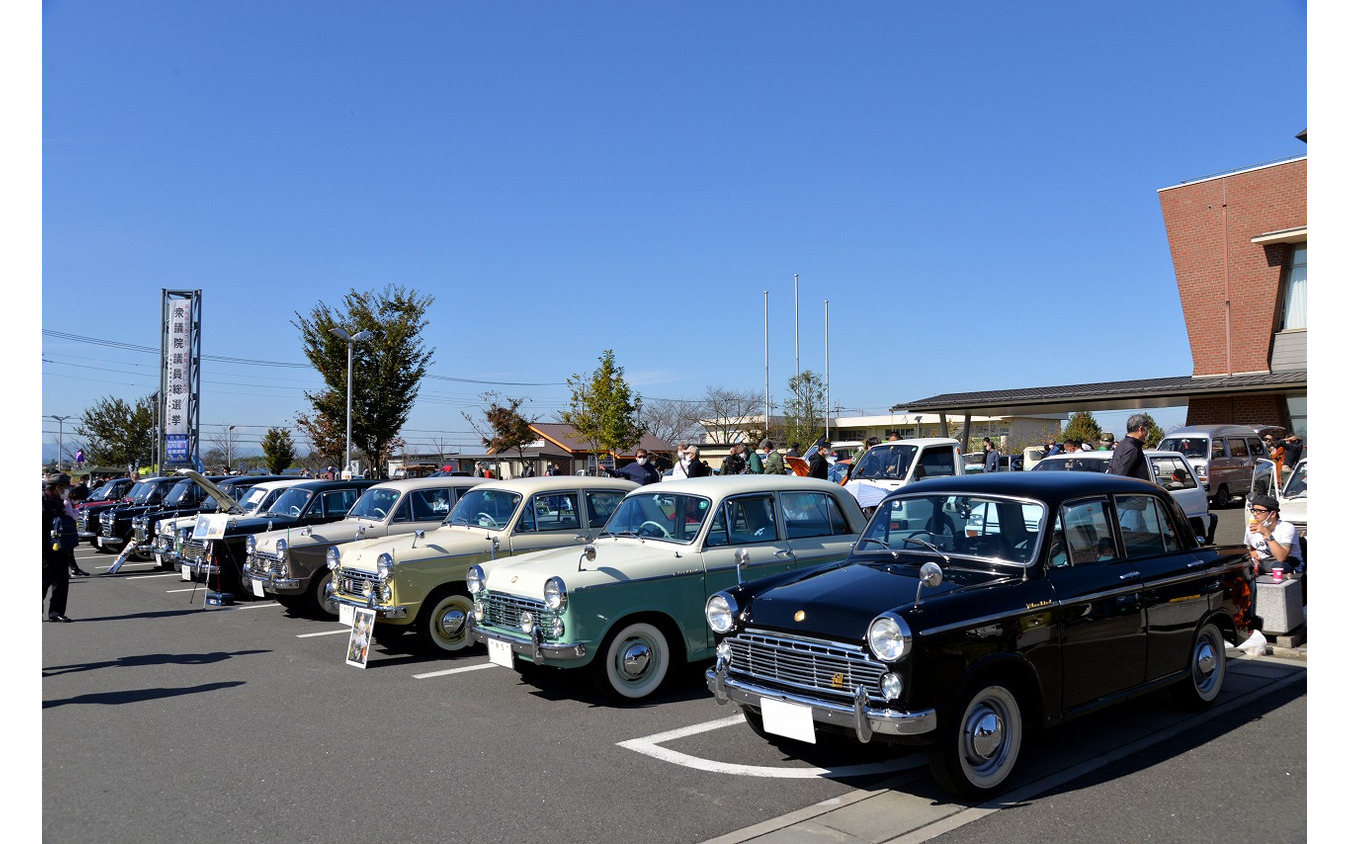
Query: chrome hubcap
x=452 y=622
x=986 y=734
x=636 y=657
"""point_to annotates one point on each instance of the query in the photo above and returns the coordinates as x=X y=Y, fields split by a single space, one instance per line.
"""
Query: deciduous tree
x=804 y=409
x=604 y=411
x=279 y=449
x=117 y=433
x=506 y=428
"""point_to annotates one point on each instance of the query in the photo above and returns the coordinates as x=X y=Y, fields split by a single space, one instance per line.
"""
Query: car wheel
x=318 y=586
x=445 y=624
x=1222 y=496
x=294 y=603
x=975 y=754
x=1206 y=667
x=632 y=663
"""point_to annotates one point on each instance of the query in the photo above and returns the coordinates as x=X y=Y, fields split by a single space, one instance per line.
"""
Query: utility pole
x=61 y=440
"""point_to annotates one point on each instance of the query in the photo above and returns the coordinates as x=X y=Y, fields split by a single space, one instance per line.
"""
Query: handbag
x=64 y=535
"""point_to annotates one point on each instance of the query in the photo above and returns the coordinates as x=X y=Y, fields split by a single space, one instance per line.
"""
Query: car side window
x=403 y=513
x=428 y=504
x=338 y=502
x=938 y=462
x=1237 y=447
x=1216 y=448
x=1083 y=530
x=1144 y=528
x=812 y=514
x=1172 y=473
x=744 y=520
x=599 y=506
x=552 y=512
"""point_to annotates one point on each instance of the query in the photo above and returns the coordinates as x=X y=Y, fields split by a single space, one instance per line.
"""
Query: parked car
x=220 y=562
x=114 y=523
x=886 y=467
x=927 y=635
x=630 y=608
x=171 y=534
x=103 y=497
x=1223 y=457
x=187 y=498
x=1171 y=471
x=417 y=582
x=292 y=565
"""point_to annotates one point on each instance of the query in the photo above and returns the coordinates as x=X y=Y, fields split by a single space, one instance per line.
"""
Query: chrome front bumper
x=274 y=584
x=367 y=604
x=864 y=720
x=534 y=647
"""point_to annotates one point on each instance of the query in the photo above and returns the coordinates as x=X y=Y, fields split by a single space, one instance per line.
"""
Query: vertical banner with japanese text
x=180 y=357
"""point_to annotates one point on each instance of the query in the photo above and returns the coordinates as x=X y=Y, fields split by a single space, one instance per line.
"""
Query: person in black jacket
x=55 y=562
x=1128 y=456
x=819 y=466
x=640 y=472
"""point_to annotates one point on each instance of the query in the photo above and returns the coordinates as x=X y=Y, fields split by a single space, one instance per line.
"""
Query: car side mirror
x=742 y=560
x=930 y=575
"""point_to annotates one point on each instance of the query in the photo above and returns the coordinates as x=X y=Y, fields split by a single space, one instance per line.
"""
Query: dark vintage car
x=114 y=523
x=219 y=563
x=973 y=608
x=104 y=496
x=193 y=494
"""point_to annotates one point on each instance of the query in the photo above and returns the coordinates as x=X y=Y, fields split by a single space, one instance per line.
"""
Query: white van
x=1223 y=457
x=887 y=466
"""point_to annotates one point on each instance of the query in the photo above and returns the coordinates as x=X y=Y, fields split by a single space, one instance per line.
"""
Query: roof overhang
x=1297 y=235
x=1108 y=395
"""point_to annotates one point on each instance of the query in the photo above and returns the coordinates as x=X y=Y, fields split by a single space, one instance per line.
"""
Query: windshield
x=994 y=529
x=291 y=502
x=1077 y=464
x=375 y=504
x=253 y=497
x=145 y=493
x=488 y=508
x=673 y=518
x=1189 y=446
x=1297 y=485
x=885 y=462
x=181 y=492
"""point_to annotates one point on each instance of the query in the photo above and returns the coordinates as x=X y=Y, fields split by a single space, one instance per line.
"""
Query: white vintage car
x=629 y=607
x=292 y=565
x=1292 y=493
x=417 y=581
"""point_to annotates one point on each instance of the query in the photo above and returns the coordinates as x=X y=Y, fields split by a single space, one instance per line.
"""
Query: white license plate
x=347 y=614
x=499 y=653
x=98 y=540
x=788 y=719
x=187 y=572
x=159 y=559
x=257 y=588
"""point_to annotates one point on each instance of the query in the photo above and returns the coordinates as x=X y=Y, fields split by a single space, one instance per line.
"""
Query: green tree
x=1083 y=427
x=117 y=433
x=1155 y=434
x=604 y=411
x=804 y=409
x=387 y=369
x=507 y=428
x=279 y=448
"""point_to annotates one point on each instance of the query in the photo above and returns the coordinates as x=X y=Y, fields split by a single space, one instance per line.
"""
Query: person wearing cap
x=1273 y=543
x=772 y=460
x=55 y=562
x=1107 y=442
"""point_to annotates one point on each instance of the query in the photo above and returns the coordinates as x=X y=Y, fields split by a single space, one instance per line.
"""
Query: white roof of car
x=441 y=482
x=737 y=484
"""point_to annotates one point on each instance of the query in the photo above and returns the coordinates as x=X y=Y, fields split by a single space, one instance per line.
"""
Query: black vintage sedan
x=975 y=607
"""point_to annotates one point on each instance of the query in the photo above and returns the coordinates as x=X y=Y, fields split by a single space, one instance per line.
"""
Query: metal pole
x=61 y=441
x=796 y=327
x=827 y=369
x=350 y=342
x=766 y=363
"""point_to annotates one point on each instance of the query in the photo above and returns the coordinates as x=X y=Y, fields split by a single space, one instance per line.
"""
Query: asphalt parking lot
x=163 y=718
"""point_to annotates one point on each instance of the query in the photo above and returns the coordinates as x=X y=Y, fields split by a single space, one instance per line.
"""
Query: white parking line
x=148 y=576
x=255 y=606
x=172 y=591
x=650 y=746
x=454 y=671
x=324 y=633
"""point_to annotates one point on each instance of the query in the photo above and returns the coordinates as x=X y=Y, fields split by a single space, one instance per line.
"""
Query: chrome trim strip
x=380 y=612
x=864 y=719
x=537 y=651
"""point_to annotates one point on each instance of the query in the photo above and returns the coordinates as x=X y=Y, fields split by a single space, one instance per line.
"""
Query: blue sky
x=973 y=188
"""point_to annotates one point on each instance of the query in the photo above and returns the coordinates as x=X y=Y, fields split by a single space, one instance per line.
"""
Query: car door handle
x=785 y=552
x=1134 y=575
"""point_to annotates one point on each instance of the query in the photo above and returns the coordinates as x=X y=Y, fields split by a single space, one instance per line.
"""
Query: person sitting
x=1273 y=543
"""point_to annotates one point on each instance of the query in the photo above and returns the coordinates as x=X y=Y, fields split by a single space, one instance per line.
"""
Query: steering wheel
x=293 y=511
x=484 y=518
x=379 y=513
x=657 y=529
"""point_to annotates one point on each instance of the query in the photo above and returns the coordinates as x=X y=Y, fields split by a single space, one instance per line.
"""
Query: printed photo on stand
x=358 y=646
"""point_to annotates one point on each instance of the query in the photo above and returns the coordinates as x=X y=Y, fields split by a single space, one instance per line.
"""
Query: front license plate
x=788 y=719
x=257 y=589
x=347 y=614
x=187 y=572
x=98 y=540
x=499 y=653
x=159 y=559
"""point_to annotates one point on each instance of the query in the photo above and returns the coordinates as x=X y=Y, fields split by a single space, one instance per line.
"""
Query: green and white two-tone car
x=629 y=607
x=417 y=581
x=292 y=565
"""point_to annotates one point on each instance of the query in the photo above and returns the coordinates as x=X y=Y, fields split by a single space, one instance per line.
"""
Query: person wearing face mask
x=690 y=466
x=56 y=561
x=640 y=471
x=1273 y=543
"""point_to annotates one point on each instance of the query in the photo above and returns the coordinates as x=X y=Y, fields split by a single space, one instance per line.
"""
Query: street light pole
x=229 y=449
x=60 y=440
x=352 y=340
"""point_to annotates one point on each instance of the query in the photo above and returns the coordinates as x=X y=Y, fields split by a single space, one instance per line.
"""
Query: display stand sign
x=358 y=645
x=121 y=558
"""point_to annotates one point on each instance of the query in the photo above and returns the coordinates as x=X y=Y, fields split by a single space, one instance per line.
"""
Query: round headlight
x=555 y=629
x=474 y=579
x=555 y=594
x=888 y=637
x=282 y=545
x=892 y=686
x=251 y=544
x=383 y=564
x=721 y=612
x=334 y=558
x=478 y=611
x=527 y=621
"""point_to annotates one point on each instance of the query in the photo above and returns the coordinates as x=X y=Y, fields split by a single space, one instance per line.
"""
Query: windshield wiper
x=930 y=546
x=877 y=541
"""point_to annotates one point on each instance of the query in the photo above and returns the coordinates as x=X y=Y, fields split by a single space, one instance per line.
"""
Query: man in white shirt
x=1273 y=543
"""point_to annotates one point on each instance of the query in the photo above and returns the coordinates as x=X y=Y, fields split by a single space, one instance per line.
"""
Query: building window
x=1296 y=289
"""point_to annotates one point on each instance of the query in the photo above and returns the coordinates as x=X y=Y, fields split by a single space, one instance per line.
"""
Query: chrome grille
x=194 y=552
x=829 y=668
x=85 y=519
x=353 y=582
x=504 y=610
x=140 y=534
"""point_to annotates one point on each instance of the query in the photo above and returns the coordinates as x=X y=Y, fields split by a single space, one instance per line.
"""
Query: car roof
x=335 y=484
x=441 y=482
x=1050 y=486
x=737 y=484
x=918 y=441
x=1212 y=430
x=545 y=483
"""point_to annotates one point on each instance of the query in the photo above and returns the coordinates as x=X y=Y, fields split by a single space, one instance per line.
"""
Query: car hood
x=616 y=561
x=331 y=533
x=1294 y=510
x=840 y=603
x=225 y=503
x=445 y=541
x=258 y=524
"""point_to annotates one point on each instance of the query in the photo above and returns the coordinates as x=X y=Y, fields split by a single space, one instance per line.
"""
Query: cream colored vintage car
x=416 y=581
x=629 y=608
x=292 y=565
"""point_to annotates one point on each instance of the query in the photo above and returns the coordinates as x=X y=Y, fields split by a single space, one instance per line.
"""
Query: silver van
x=1223 y=457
